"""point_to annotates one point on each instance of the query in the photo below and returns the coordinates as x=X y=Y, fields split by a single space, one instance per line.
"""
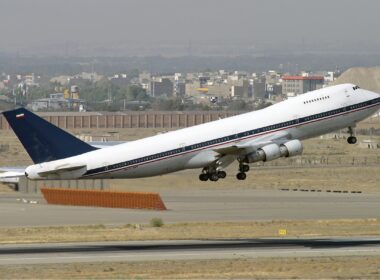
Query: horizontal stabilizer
x=62 y=169
x=11 y=174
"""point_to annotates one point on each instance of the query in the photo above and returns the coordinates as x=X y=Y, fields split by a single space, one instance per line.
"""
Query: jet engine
x=274 y=151
x=291 y=148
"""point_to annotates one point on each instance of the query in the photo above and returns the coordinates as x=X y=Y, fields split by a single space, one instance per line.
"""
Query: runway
x=197 y=206
x=185 y=250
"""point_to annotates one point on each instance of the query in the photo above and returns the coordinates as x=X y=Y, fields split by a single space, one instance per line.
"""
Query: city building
x=259 y=87
x=120 y=80
x=161 y=87
x=180 y=88
x=30 y=80
x=295 y=85
x=179 y=85
x=58 y=102
x=240 y=89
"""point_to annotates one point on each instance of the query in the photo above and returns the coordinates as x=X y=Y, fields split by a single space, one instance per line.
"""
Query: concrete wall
x=130 y=120
x=29 y=186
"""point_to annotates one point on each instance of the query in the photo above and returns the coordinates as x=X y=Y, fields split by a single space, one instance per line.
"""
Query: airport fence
x=34 y=186
x=154 y=119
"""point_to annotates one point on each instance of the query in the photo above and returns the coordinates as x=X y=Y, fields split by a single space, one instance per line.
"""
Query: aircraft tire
x=244 y=168
x=203 y=177
x=352 y=140
x=222 y=174
x=241 y=176
x=214 y=177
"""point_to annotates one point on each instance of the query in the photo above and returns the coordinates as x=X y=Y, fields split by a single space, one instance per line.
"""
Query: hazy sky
x=39 y=24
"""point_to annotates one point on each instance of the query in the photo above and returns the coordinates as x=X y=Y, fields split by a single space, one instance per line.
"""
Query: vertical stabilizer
x=42 y=140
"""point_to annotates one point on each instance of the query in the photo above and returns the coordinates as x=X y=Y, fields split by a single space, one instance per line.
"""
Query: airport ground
x=321 y=221
x=310 y=199
x=258 y=259
x=199 y=206
x=357 y=267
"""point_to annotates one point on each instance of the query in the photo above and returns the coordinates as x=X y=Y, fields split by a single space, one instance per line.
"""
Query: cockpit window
x=355 y=87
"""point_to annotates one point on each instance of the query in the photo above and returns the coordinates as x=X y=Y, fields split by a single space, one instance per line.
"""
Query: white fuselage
x=305 y=116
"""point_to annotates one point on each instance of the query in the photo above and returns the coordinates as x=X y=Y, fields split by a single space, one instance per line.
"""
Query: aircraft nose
x=370 y=93
x=375 y=95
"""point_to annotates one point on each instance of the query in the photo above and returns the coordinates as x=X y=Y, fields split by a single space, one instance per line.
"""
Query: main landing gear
x=351 y=139
x=243 y=168
x=212 y=175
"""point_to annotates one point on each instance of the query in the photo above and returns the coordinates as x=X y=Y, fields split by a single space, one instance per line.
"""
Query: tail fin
x=42 y=140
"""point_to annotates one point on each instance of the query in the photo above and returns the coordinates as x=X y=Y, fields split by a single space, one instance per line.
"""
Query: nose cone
x=375 y=99
x=367 y=94
x=375 y=94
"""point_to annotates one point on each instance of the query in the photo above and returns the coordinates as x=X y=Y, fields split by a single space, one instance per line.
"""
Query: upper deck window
x=315 y=100
x=355 y=87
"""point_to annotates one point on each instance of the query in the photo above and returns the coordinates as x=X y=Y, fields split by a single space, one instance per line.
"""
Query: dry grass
x=188 y=231
x=366 y=179
x=5 y=189
x=264 y=268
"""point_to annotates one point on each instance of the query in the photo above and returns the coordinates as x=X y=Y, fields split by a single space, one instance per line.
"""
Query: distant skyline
x=174 y=27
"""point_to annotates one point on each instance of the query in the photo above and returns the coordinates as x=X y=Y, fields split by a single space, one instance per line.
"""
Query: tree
x=238 y=105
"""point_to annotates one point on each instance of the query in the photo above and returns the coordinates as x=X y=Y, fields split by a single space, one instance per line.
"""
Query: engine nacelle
x=266 y=153
x=291 y=148
x=274 y=151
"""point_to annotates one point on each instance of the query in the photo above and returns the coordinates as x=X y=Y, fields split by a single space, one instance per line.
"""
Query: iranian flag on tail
x=20 y=116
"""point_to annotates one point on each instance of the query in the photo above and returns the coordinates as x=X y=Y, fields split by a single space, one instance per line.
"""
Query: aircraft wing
x=252 y=145
x=11 y=172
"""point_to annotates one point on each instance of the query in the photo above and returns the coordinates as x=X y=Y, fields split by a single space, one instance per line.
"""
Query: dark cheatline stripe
x=231 y=138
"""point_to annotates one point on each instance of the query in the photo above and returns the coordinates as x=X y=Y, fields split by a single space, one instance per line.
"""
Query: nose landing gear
x=352 y=138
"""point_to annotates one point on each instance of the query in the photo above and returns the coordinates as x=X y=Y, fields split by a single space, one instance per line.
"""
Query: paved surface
x=185 y=250
x=197 y=205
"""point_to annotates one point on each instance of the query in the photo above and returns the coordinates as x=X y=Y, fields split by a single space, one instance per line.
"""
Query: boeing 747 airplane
x=264 y=135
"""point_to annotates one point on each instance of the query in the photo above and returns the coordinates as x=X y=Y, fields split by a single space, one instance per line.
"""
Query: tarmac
x=185 y=250
x=21 y=210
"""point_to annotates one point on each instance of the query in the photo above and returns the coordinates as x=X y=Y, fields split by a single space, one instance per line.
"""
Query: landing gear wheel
x=241 y=176
x=244 y=168
x=203 y=177
x=352 y=140
x=214 y=177
x=222 y=174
